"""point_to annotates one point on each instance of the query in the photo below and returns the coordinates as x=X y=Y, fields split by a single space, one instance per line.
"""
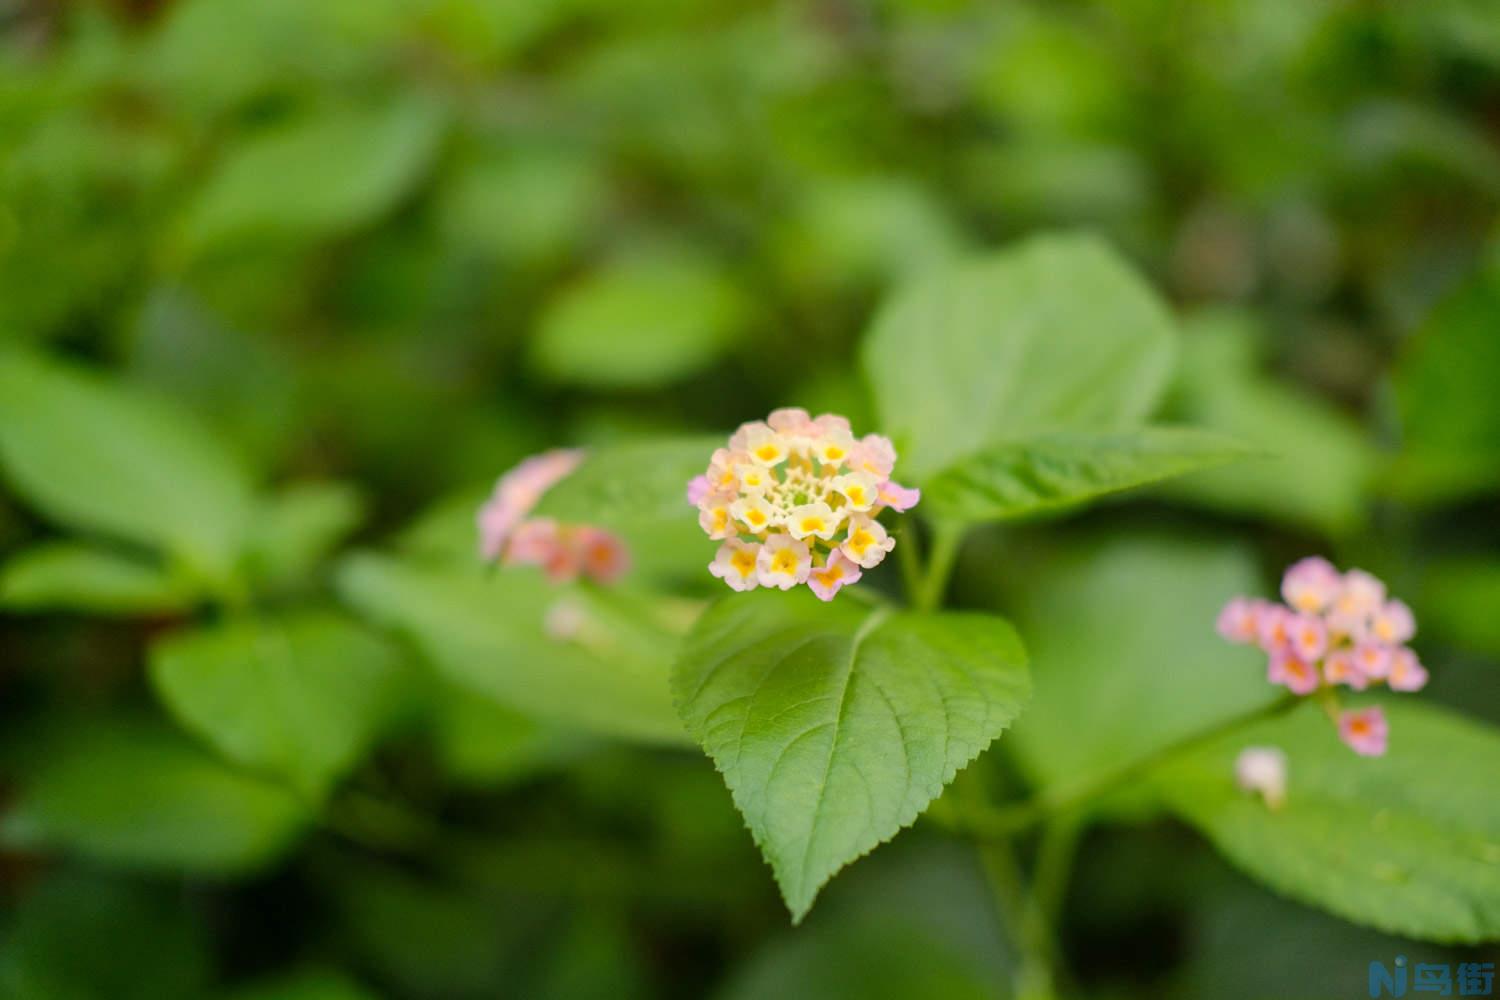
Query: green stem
x=1054 y=866
x=1024 y=919
x=910 y=547
x=1003 y=821
x=946 y=536
x=1034 y=979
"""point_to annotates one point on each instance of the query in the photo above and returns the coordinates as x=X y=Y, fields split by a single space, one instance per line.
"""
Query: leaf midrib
x=874 y=621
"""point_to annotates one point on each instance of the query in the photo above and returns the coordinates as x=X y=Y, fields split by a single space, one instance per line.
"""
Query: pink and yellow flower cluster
x=795 y=499
x=564 y=552
x=1335 y=629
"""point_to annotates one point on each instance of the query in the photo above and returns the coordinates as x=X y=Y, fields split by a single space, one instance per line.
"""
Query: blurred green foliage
x=284 y=285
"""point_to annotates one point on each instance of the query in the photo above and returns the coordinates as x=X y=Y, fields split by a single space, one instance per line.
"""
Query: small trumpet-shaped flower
x=540 y=542
x=794 y=423
x=753 y=477
x=1310 y=586
x=605 y=558
x=859 y=490
x=833 y=447
x=867 y=542
x=1393 y=624
x=1340 y=668
x=1262 y=771
x=1362 y=594
x=1275 y=624
x=755 y=514
x=508 y=533
x=1373 y=660
x=1308 y=636
x=1299 y=676
x=813 y=519
x=1365 y=731
x=874 y=455
x=1336 y=629
x=737 y=564
x=1240 y=620
x=721 y=473
x=783 y=563
x=1407 y=672
x=837 y=572
x=766 y=447
x=802 y=494
x=715 y=516
x=897 y=497
x=516 y=493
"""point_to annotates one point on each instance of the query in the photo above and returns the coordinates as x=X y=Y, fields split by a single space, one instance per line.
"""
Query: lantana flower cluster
x=795 y=499
x=1335 y=630
x=509 y=534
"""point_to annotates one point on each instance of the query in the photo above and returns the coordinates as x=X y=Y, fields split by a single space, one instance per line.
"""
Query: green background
x=346 y=261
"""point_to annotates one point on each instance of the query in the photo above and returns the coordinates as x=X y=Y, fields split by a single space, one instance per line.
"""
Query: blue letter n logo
x=1382 y=980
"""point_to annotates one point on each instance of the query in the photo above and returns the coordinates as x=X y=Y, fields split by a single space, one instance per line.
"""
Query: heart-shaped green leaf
x=137 y=795
x=96 y=455
x=1050 y=471
x=489 y=635
x=1056 y=333
x=835 y=725
x=1408 y=843
x=1123 y=632
x=300 y=698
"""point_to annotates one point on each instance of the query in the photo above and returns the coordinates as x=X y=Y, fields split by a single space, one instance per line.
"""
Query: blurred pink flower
x=1311 y=585
x=1336 y=629
x=1299 y=675
x=564 y=552
x=1240 y=620
x=898 y=497
x=697 y=488
x=1365 y=731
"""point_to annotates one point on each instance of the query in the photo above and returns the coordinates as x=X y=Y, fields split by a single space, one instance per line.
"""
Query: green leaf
x=1458 y=600
x=1445 y=385
x=1123 y=632
x=835 y=725
x=297 y=527
x=637 y=324
x=1408 y=843
x=1319 y=460
x=139 y=796
x=481 y=742
x=1062 y=470
x=527 y=203
x=100 y=456
x=848 y=232
x=632 y=482
x=315 y=176
x=75 y=936
x=302 y=698
x=72 y=576
x=488 y=635
x=1054 y=334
